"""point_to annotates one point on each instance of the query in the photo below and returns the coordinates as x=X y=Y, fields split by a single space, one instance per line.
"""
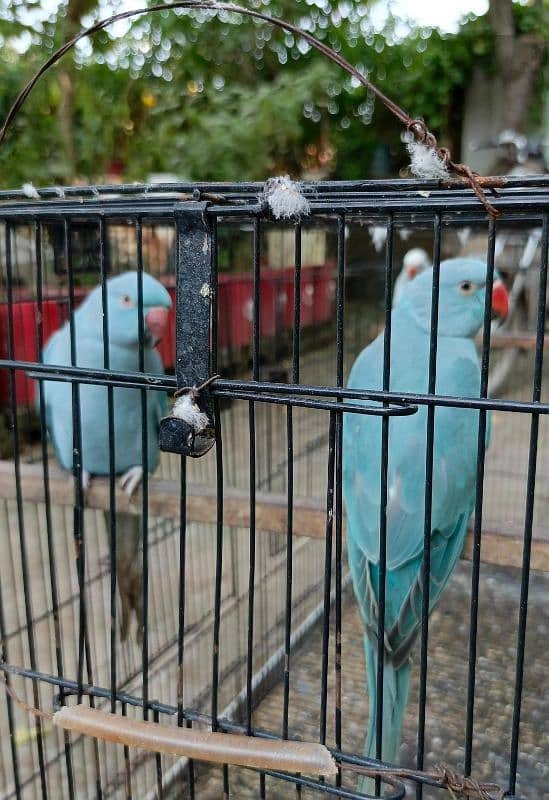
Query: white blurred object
x=29 y=191
x=464 y=234
x=414 y=262
x=165 y=177
x=378 y=235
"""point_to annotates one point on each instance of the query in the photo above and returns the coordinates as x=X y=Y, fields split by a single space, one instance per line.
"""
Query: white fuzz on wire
x=284 y=198
x=425 y=162
x=30 y=191
x=185 y=408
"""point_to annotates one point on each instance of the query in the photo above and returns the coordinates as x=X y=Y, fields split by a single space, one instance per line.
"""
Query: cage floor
x=446 y=699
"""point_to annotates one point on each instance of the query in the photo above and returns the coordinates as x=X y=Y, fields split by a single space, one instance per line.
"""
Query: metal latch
x=189 y=429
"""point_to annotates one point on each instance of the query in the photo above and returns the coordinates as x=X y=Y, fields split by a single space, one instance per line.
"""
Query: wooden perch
x=522 y=341
x=500 y=545
x=220 y=748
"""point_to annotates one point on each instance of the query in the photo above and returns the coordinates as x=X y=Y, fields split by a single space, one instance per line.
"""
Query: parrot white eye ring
x=467 y=287
x=126 y=301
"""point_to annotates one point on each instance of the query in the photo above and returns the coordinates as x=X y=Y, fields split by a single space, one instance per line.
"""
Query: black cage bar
x=246 y=608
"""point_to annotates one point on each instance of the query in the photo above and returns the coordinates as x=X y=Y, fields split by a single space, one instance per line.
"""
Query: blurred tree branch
x=206 y=96
x=71 y=24
x=518 y=58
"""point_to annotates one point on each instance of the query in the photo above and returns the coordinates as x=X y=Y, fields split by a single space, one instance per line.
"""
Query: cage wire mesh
x=249 y=622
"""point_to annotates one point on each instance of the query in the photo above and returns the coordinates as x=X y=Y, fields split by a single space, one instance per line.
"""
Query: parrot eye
x=126 y=301
x=467 y=287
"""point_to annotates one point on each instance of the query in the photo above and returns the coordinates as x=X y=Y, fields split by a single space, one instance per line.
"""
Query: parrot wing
x=455 y=444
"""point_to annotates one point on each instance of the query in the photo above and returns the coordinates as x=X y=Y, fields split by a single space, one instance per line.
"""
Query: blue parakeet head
x=461 y=297
x=122 y=304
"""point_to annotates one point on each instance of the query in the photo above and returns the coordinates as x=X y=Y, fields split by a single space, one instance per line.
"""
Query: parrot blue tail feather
x=396 y=684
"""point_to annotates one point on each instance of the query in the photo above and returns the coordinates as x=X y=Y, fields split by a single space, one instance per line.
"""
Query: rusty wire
x=416 y=126
x=442 y=776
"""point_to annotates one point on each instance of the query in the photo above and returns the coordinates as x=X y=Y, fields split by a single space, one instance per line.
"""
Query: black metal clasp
x=189 y=429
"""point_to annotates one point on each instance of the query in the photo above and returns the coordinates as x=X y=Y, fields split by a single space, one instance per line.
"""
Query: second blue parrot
x=461 y=312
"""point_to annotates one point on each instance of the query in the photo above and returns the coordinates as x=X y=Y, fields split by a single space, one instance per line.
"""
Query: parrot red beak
x=156 y=322
x=500 y=299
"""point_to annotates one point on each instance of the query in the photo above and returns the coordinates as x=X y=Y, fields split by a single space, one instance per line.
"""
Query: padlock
x=178 y=436
x=189 y=429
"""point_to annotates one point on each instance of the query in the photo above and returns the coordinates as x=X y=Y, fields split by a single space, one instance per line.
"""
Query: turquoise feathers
x=122 y=294
x=122 y=298
x=461 y=312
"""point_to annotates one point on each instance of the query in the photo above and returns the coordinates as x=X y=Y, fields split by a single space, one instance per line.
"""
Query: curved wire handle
x=416 y=126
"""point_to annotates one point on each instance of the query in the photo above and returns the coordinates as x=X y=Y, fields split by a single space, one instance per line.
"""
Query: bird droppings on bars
x=29 y=190
x=205 y=291
x=425 y=162
x=206 y=245
x=284 y=198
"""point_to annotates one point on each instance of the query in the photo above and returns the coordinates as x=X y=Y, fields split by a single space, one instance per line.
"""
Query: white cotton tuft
x=425 y=162
x=284 y=198
x=30 y=191
x=186 y=409
x=378 y=235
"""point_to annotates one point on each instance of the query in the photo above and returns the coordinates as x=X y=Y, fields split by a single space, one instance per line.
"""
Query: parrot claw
x=131 y=479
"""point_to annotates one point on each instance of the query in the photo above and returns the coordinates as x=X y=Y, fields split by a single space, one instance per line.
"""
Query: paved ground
x=446 y=695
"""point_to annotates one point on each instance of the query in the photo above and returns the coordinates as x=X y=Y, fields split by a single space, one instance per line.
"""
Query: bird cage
x=321 y=567
x=245 y=621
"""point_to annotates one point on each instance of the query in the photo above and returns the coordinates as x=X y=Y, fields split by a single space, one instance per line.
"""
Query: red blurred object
x=276 y=291
x=500 y=299
x=25 y=344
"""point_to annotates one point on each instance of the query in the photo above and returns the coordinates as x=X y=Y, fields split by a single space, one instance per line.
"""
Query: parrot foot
x=131 y=479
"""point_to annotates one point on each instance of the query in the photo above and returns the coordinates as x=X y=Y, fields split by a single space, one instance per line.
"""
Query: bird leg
x=131 y=479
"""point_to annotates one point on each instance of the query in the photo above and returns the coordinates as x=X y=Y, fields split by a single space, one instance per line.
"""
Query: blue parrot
x=123 y=335
x=461 y=313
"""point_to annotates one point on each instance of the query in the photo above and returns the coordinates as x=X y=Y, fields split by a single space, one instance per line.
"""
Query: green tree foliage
x=220 y=96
